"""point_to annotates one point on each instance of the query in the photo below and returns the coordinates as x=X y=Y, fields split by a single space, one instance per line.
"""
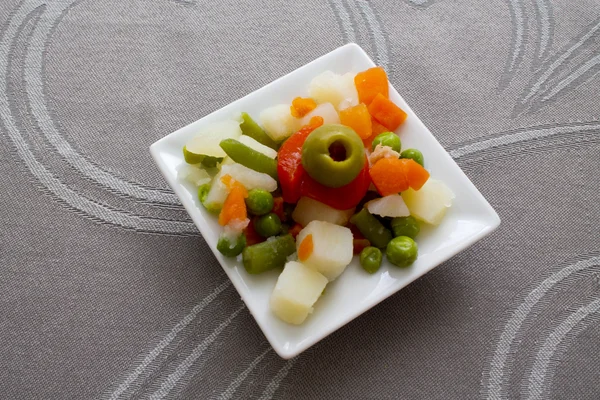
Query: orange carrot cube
x=234 y=207
x=416 y=174
x=386 y=112
x=306 y=247
x=371 y=82
x=302 y=106
x=389 y=176
x=359 y=119
x=377 y=129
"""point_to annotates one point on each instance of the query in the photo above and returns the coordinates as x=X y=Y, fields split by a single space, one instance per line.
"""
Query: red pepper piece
x=252 y=237
x=341 y=198
x=289 y=162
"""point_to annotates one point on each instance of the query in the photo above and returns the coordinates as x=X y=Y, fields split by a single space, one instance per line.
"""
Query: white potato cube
x=308 y=210
x=298 y=288
x=388 y=206
x=429 y=204
x=218 y=192
x=256 y=145
x=338 y=90
x=332 y=248
x=209 y=137
x=278 y=122
x=250 y=178
x=193 y=174
x=326 y=111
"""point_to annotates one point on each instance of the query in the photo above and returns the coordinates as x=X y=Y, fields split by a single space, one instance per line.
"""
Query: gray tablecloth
x=108 y=291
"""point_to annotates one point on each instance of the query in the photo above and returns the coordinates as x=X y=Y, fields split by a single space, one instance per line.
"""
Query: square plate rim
x=492 y=219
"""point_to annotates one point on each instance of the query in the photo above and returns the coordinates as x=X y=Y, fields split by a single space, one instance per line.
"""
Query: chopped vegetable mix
x=320 y=180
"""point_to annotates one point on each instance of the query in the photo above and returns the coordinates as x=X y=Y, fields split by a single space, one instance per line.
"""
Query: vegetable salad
x=314 y=184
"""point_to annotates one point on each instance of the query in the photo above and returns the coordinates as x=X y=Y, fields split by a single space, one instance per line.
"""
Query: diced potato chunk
x=388 y=206
x=338 y=90
x=209 y=137
x=218 y=192
x=278 y=122
x=250 y=178
x=332 y=248
x=192 y=174
x=429 y=204
x=308 y=210
x=255 y=145
x=298 y=288
x=325 y=110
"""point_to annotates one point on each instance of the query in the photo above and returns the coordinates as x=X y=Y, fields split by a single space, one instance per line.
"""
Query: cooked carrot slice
x=371 y=82
x=302 y=106
x=306 y=247
x=316 y=121
x=389 y=176
x=416 y=174
x=386 y=112
x=377 y=129
x=359 y=119
x=234 y=207
x=393 y=175
x=295 y=230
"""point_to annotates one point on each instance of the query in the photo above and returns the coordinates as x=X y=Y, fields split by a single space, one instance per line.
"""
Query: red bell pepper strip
x=289 y=162
x=341 y=198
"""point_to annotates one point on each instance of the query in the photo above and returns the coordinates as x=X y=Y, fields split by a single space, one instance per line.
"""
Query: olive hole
x=337 y=151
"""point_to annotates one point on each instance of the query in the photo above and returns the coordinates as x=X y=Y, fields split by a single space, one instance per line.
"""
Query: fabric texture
x=108 y=291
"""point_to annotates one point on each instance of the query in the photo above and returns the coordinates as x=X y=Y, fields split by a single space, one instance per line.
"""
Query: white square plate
x=354 y=292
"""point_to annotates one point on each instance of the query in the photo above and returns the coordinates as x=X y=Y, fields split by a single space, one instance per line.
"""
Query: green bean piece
x=268 y=255
x=389 y=139
x=250 y=128
x=405 y=226
x=402 y=251
x=211 y=162
x=259 y=201
x=229 y=248
x=370 y=259
x=268 y=225
x=413 y=154
x=202 y=194
x=240 y=153
x=371 y=228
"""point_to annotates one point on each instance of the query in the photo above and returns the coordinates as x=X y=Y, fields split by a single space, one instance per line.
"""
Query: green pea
x=211 y=162
x=402 y=251
x=259 y=201
x=405 y=226
x=229 y=248
x=413 y=154
x=388 y=139
x=268 y=225
x=240 y=153
x=268 y=255
x=370 y=259
x=250 y=128
x=373 y=230
x=202 y=194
